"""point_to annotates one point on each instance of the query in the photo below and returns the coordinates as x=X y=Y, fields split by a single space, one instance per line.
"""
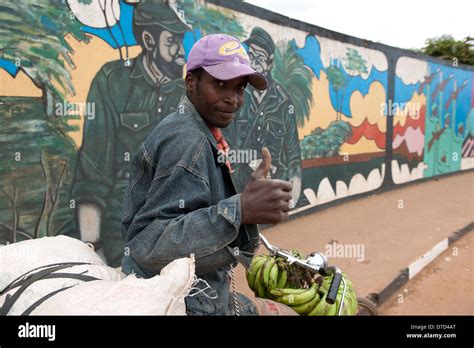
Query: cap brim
x=231 y=70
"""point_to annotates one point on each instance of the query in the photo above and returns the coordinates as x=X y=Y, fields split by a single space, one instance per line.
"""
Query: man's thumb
x=264 y=167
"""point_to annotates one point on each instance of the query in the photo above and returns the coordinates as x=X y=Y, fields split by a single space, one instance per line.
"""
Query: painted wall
x=82 y=86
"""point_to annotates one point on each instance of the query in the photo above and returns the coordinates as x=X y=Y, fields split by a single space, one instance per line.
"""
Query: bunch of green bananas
x=350 y=298
x=273 y=278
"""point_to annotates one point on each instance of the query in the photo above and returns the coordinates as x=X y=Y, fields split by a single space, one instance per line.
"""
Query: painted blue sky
x=311 y=54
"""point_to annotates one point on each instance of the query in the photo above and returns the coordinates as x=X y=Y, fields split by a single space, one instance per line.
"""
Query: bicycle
x=317 y=263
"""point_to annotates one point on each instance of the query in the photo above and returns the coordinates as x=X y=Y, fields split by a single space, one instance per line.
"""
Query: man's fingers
x=264 y=167
x=283 y=184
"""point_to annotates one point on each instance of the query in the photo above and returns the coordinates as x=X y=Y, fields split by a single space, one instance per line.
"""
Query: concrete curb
x=418 y=265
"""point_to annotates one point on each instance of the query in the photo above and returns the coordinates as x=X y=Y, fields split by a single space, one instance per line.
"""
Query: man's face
x=260 y=60
x=216 y=101
x=168 y=52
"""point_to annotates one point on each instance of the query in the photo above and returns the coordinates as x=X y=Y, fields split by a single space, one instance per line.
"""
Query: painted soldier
x=266 y=119
x=130 y=100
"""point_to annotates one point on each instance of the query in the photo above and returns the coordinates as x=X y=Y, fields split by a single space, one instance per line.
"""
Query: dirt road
x=445 y=287
x=390 y=230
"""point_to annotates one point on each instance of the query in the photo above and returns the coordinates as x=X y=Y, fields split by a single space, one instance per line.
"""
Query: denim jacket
x=182 y=201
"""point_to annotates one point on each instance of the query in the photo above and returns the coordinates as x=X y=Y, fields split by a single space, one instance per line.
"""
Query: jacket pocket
x=242 y=127
x=276 y=128
x=135 y=121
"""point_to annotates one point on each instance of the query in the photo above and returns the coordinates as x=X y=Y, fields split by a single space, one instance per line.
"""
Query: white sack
x=161 y=295
x=19 y=258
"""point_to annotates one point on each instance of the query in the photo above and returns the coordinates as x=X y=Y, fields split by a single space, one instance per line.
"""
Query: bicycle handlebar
x=321 y=268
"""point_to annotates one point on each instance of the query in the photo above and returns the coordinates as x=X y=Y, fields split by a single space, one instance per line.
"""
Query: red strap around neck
x=222 y=145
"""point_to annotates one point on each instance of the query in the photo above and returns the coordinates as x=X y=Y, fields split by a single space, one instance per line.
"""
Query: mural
x=83 y=82
x=433 y=112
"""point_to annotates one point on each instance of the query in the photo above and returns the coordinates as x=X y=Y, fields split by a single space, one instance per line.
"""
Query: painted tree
x=208 y=20
x=296 y=78
x=354 y=65
x=32 y=35
x=36 y=152
x=337 y=82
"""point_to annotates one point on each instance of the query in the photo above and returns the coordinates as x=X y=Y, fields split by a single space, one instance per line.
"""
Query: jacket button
x=135 y=125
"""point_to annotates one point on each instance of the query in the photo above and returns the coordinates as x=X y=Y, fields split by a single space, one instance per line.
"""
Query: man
x=267 y=119
x=181 y=199
x=130 y=99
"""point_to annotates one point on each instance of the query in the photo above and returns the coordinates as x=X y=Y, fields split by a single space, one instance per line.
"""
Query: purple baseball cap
x=223 y=57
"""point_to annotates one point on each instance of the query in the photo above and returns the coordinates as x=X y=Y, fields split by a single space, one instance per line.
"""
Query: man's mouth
x=227 y=113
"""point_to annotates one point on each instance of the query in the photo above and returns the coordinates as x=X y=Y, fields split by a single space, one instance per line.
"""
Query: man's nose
x=232 y=96
x=181 y=49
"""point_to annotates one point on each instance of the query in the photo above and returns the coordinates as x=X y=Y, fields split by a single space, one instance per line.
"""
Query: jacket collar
x=188 y=105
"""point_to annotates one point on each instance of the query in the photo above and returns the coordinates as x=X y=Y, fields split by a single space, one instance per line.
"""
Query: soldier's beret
x=261 y=38
x=158 y=13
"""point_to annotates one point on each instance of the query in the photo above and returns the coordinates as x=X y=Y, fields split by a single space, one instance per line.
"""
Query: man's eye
x=242 y=87
x=219 y=83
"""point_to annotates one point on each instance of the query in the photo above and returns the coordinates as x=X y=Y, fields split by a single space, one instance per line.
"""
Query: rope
x=236 y=303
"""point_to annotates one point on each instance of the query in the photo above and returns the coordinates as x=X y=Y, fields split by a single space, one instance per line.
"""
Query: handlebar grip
x=333 y=288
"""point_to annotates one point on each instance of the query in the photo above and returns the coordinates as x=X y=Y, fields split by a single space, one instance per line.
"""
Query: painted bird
x=441 y=86
x=435 y=136
x=455 y=93
x=427 y=81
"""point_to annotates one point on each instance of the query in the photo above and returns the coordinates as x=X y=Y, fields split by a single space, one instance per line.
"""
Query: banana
x=297 y=299
x=350 y=301
x=267 y=266
x=257 y=263
x=332 y=309
x=259 y=286
x=320 y=308
x=282 y=279
x=273 y=277
x=348 y=305
x=307 y=307
x=287 y=291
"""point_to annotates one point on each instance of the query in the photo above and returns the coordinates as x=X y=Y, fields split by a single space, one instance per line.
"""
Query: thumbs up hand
x=265 y=201
x=264 y=168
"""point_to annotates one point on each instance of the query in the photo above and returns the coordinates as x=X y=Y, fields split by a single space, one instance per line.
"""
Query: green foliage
x=325 y=142
x=447 y=48
x=210 y=21
x=335 y=77
x=37 y=159
x=33 y=31
x=355 y=64
x=296 y=78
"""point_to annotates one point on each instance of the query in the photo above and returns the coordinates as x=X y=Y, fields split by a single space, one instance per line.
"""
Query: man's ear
x=148 y=40
x=190 y=80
